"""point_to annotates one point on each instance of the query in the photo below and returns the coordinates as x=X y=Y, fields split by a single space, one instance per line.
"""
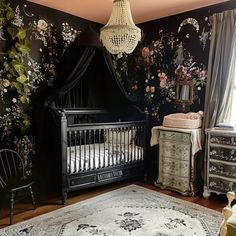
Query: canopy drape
x=86 y=78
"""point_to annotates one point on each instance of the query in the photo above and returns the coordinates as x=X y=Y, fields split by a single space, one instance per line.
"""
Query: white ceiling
x=142 y=10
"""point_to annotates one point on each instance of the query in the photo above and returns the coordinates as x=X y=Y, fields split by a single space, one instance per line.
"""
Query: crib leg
x=64 y=197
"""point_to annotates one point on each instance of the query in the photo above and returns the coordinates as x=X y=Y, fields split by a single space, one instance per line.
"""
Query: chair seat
x=16 y=184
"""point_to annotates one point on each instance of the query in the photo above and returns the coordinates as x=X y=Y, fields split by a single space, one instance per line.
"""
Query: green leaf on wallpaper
x=24 y=100
x=22 y=79
x=17 y=86
x=27 y=89
x=2 y=21
x=21 y=33
x=12 y=31
x=6 y=65
x=23 y=48
x=10 y=14
x=26 y=122
x=12 y=53
x=20 y=68
x=12 y=72
x=9 y=76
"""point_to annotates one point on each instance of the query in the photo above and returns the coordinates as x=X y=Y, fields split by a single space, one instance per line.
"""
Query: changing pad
x=190 y=120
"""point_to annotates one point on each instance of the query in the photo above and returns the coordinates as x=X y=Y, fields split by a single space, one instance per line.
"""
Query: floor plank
x=23 y=210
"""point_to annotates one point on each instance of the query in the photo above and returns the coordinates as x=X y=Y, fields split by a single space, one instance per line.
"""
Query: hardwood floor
x=23 y=211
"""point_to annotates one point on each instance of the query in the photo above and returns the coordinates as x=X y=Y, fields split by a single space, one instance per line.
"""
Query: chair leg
x=11 y=207
x=32 y=197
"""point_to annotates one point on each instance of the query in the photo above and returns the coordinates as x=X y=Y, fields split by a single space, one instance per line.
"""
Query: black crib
x=98 y=153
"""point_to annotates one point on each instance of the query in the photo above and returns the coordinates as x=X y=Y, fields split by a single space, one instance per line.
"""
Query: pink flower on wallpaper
x=150 y=89
x=147 y=58
x=162 y=77
x=145 y=52
x=135 y=87
x=147 y=89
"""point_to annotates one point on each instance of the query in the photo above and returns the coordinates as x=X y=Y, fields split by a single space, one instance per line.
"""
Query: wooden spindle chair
x=13 y=179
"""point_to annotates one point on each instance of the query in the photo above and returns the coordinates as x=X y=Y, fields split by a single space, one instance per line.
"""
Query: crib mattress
x=94 y=156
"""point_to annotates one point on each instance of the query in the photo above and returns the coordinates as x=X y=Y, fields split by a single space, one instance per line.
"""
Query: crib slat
x=124 y=130
x=69 y=142
x=94 y=147
x=116 y=147
x=138 y=142
x=109 y=148
x=99 y=148
x=112 y=146
x=128 y=144
x=75 y=162
x=133 y=146
x=80 y=141
x=89 y=147
x=85 y=158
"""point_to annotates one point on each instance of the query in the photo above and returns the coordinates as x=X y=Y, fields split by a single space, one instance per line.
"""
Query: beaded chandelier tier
x=120 y=35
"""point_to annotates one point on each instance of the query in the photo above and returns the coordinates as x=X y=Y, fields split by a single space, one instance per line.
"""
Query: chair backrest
x=11 y=166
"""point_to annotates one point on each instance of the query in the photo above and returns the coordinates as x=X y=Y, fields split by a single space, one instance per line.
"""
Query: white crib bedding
x=86 y=157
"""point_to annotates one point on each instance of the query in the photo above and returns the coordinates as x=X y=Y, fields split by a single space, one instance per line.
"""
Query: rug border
x=102 y=195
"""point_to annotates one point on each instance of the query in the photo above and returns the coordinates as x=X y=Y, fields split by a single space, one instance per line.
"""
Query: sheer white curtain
x=221 y=69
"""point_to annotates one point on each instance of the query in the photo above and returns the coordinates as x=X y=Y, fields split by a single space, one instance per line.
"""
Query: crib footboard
x=101 y=153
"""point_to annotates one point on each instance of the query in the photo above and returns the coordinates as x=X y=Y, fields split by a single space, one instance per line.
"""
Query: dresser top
x=223 y=132
x=183 y=130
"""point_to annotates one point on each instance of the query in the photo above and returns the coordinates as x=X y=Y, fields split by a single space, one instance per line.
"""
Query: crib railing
x=95 y=146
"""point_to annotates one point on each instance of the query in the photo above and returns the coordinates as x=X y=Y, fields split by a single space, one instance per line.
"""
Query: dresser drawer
x=176 y=168
x=175 y=150
x=221 y=169
x=179 y=183
x=221 y=185
x=175 y=136
x=224 y=140
x=223 y=154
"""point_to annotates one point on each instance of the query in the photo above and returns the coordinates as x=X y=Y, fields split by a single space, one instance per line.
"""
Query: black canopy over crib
x=90 y=132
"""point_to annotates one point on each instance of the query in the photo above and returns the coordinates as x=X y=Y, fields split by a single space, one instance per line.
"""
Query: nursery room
x=117 y=117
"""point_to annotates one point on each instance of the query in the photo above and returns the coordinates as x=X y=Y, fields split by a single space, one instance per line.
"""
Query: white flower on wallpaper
x=68 y=34
x=24 y=147
x=40 y=30
x=204 y=37
x=34 y=73
x=42 y=26
x=18 y=19
x=2 y=34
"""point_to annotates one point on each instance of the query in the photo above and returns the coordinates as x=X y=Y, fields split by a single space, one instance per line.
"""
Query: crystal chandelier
x=120 y=35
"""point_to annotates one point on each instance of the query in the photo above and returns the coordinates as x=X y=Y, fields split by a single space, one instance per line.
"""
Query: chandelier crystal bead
x=120 y=35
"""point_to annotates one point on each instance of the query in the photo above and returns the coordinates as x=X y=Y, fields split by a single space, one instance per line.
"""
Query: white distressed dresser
x=178 y=150
x=220 y=162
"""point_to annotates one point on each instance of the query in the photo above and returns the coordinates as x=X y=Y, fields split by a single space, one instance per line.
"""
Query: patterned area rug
x=132 y=210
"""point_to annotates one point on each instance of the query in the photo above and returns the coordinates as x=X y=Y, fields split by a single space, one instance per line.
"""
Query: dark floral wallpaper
x=172 y=50
x=49 y=33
